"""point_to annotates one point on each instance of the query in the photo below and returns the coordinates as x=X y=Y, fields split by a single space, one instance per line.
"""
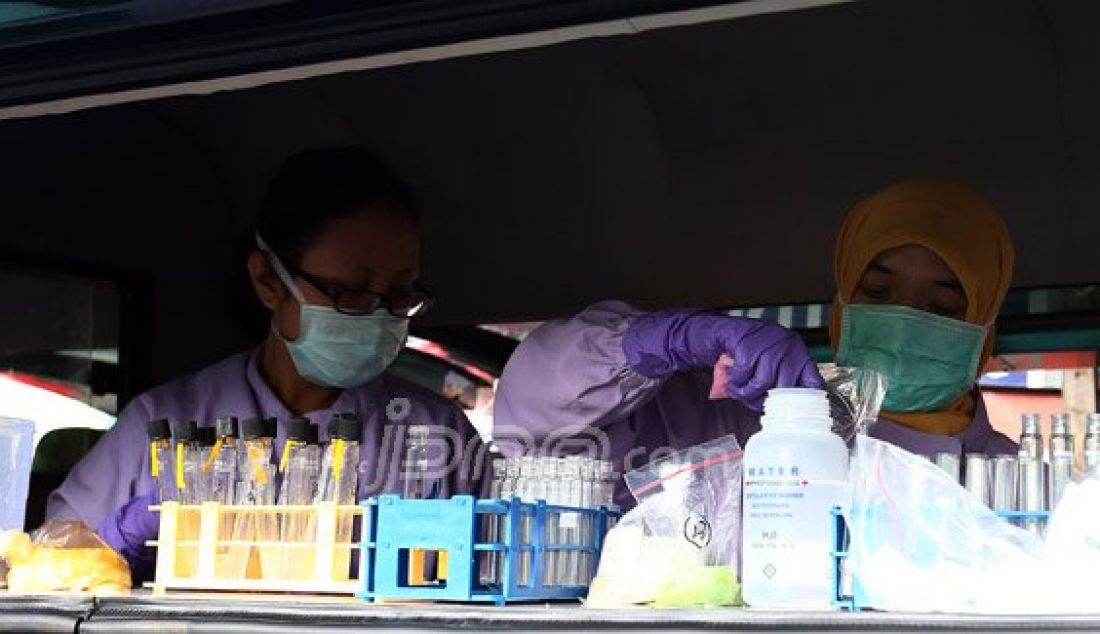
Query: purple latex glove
x=765 y=354
x=128 y=528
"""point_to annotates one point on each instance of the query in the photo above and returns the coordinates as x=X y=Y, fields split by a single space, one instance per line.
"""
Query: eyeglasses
x=411 y=303
x=357 y=302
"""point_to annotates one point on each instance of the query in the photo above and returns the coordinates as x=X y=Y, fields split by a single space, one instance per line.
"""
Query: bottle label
x=787 y=536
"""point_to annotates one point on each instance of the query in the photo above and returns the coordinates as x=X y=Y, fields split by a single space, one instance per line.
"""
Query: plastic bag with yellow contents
x=62 y=556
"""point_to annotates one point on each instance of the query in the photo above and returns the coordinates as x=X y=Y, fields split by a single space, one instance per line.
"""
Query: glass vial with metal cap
x=1092 y=442
x=1061 y=456
x=948 y=463
x=161 y=464
x=978 y=477
x=1032 y=483
x=1006 y=488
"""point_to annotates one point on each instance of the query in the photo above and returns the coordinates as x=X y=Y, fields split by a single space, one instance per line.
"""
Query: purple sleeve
x=114 y=471
x=571 y=374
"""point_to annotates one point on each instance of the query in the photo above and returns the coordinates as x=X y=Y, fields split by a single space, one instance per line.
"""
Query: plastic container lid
x=187 y=431
x=159 y=429
x=1059 y=425
x=343 y=428
x=1030 y=424
x=271 y=427
x=299 y=429
x=226 y=426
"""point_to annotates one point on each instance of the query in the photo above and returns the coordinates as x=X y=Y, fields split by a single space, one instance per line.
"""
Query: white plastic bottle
x=795 y=472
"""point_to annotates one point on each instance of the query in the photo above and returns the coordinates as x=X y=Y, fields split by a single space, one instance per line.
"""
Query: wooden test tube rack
x=196 y=550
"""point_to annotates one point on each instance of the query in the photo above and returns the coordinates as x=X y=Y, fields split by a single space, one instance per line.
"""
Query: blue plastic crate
x=395 y=528
x=847 y=592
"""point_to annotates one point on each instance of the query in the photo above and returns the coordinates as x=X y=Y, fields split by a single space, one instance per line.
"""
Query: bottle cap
x=271 y=427
x=251 y=428
x=1059 y=424
x=159 y=429
x=343 y=428
x=187 y=431
x=299 y=429
x=207 y=436
x=1030 y=424
x=226 y=426
x=1093 y=425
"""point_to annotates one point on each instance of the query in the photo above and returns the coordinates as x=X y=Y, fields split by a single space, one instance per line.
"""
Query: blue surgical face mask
x=928 y=360
x=338 y=350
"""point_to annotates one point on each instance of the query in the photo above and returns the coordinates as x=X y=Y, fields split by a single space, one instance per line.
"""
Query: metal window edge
x=484 y=46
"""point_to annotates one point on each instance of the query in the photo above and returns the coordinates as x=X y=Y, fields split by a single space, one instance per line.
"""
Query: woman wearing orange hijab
x=921 y=270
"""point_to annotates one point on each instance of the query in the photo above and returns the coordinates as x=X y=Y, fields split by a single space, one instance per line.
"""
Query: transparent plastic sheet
x=855 y=398
x=680 y=546
x=62 y=556
x=1072 y=550
x=922 y=543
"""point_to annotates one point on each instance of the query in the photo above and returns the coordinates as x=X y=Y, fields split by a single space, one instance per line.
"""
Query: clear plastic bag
x=62 y=556
x=680 y=546
x=919 y=542
x=855 y=398
x=695 y=495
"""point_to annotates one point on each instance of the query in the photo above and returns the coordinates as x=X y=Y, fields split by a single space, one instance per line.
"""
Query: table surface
x=141 y=611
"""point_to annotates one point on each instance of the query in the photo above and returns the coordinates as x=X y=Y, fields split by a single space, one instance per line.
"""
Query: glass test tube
x=188 y=463
x=489 y=562
x=161 y=462
x=1061 y=457
x=299 y=465
x=978 y=477
x=1031 y=472
x=1092 y=442
x=255 y=487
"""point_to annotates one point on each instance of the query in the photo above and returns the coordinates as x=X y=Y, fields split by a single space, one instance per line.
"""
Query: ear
x=267 y=285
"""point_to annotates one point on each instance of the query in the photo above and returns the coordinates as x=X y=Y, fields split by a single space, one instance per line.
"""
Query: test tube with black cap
x=294 y=463
x=339 y=471
x=161 y=464
x=256 y=483
x=221 y=466
x=188 y=455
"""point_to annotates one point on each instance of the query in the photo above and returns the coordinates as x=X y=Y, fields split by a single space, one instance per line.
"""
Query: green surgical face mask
x=928 y=360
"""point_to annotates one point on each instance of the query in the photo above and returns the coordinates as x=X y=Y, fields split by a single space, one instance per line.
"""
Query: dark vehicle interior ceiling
x=707 y=164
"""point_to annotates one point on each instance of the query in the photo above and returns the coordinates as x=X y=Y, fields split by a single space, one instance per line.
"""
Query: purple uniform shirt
x=569 y=385
x=117 y=469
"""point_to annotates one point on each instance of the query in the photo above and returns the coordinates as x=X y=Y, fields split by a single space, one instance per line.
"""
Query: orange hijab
x=955 y=223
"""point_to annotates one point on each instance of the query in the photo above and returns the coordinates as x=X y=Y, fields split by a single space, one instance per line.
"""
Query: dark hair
x=314 y=187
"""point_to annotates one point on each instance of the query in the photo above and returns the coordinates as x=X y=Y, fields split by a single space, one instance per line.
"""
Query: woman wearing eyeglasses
x=335 y=263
